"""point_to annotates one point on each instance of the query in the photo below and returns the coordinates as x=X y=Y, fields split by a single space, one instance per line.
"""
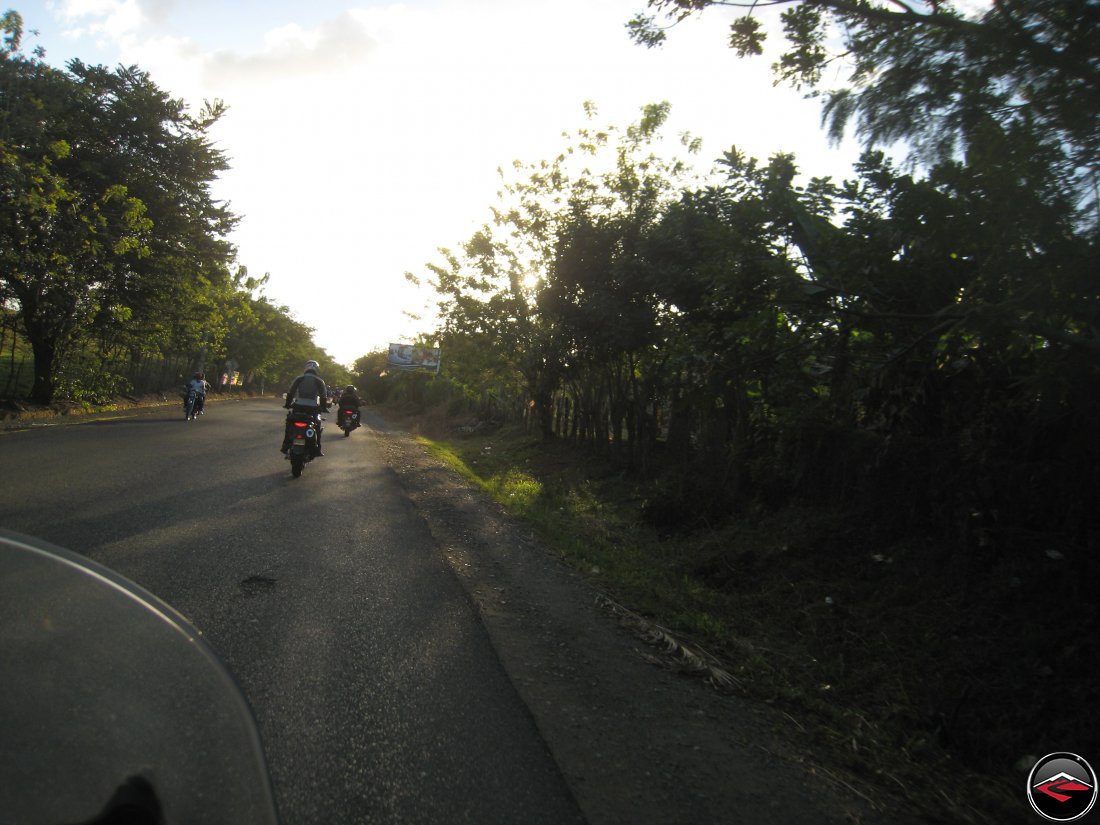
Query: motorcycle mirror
x=112 y=701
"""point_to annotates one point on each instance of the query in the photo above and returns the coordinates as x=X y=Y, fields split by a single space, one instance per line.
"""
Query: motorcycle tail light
x=300 y=424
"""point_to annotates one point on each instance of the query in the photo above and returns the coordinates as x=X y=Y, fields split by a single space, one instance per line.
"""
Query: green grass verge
x=590 y=516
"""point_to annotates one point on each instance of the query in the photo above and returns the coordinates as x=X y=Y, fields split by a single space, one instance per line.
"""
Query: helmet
x=312 y=365
x=350 y=388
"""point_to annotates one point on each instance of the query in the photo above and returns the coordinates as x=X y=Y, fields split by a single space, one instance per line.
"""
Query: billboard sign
x=412 y=358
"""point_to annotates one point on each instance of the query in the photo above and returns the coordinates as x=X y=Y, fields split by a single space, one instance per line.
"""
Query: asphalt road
x=378 y=695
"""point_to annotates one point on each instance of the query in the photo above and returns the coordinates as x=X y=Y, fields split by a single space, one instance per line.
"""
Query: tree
x=368 y=375
x=1002 y=89
x=60 y=242
x=552 y=288
x=108 y=220
x=587 y=213
x=950 y=316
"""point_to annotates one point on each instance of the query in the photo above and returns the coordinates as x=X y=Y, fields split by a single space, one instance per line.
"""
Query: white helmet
x=312 y=365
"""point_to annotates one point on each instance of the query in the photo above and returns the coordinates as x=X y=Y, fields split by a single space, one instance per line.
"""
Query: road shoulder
x=638 y=742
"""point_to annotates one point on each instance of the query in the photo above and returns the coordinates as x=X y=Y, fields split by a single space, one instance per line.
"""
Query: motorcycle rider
x=308 y=394
x=349 y=400
x=198 y=385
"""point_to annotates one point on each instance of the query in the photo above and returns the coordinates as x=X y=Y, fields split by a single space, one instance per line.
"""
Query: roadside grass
x=858 y=644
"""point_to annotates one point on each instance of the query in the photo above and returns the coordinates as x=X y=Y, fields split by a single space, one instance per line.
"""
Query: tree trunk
x=44 y=349
x=11 y=362
x=544 y=407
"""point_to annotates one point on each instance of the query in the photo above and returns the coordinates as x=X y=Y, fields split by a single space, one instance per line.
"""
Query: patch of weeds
x=517 y=488
x=449 y=456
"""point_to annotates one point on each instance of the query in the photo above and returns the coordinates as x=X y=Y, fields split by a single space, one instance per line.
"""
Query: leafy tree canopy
x=1015 y=86
x=111 y=243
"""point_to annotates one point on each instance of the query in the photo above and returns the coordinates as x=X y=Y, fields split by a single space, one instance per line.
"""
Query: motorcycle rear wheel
x=296 y=464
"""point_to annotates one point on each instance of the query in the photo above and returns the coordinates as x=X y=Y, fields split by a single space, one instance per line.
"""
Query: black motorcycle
x=347 y=420
x=304 y=438
x=193 y=404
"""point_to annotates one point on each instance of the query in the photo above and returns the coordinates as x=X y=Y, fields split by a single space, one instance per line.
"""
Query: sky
x=364 y=135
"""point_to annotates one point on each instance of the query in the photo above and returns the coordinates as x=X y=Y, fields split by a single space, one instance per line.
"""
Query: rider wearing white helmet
x=307 y=393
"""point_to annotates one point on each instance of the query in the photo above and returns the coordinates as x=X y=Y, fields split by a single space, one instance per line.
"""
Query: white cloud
x=103 y=20
x=292 y=51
